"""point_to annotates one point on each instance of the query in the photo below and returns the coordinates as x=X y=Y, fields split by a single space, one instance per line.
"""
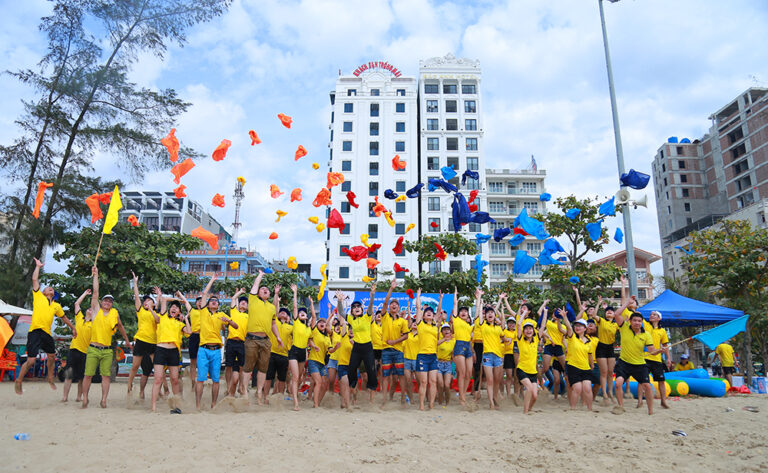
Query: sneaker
x=176 y=411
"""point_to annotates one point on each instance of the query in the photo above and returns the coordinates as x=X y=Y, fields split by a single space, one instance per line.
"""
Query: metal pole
x=631 y=272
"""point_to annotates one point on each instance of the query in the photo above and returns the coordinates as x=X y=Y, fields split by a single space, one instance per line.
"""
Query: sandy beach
x=237 y=437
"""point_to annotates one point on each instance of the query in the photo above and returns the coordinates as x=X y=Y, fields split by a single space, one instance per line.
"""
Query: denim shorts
x=333 y=364
x=410 y=365
x=492 y=360
x=462 y=349
x=444 y=367
x=392 y=362
x=316 y=367
x=426 y=363
x=343 y=371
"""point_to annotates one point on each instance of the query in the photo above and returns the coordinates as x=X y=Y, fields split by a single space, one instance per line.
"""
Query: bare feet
x=85 y=404
x=665 y=405
x=103 y=404
x=17 y=386
x=51 y=384
x=617 y=410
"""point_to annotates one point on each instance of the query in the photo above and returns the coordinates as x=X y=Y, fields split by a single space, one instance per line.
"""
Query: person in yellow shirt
x=363 y=349
x=508 y=364
x=580 y=361
x=316 y=359
x=234 y=350
x=105 y=321
x=78 y=349
x=684 y=364
x=553 y=348
x=410 y=353
x=445 y=347
x=724 y=352
x=297 y=356
x=655 y=365
x=194 y=339
x=395 y=331
x=171 y=324
x=477 y=360
x=377 y=339
x=144 y=340
x=278 y=359
x=333 y=360
x=44 y=308
x=493 y=340
x=343 y=353
x=461 y=327
x=426 y=360
x=528 y=348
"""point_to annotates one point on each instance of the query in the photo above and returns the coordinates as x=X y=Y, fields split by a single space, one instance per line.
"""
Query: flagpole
x=98 y=250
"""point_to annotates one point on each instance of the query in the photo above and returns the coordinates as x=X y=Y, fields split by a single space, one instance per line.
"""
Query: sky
x=544 y=89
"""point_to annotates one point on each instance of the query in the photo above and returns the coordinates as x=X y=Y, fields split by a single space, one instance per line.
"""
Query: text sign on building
x=377 y=65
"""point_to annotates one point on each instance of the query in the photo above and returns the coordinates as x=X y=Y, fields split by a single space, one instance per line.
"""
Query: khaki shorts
x=101 y=359
x=257 y=354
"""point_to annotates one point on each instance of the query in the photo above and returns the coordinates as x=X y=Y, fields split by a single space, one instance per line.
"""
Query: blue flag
x=523 y=262
x=608 y=207
x=714 y=337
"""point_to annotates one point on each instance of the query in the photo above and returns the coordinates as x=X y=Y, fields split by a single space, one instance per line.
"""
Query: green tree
x=558 y=225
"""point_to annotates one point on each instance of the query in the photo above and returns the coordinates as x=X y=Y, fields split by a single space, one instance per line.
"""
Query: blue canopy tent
x=681 y=311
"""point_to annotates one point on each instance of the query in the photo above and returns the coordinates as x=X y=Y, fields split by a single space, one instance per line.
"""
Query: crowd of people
x=292 y=349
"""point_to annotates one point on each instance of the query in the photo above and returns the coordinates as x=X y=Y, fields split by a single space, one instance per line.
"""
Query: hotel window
x=449 y=88
x=433 y=144
x=433 y=204
x=343 y=272
x=451 y=124
x=373 y=148
x=534 y=247
x=686 y=193
x=399 y=207
x=373 y=169
x=373 y=188
x=351 y=92
x=346 y=165
x=454 y=267
x=433 y=163
x=470 y=106
x=432 y=106
x=347 y=127
x=531 y=207
x=349 y=107
x=399 y=228
x=400 y=107
x=400 y=186
x=400 y=92
x=498 y=269
x=373 y=230
x=468 y=89
x=683 y=178
x=470 y=124
x=430 y=88
x=473 y=184
x=499 y=249
x=434 y=267
x=452 y=144
x=374 y=129
x=681 y=164
x=345 y=207
x=196 y=266
x=471 y=144
x=399 y=127
x=371 y=205
x=434 y=228
x=346 y=146
x=472 y=164
x=375 y=92
x=496 y=187
x=342 y=248
x=433 y=124
x=345 y=230
x=400 y=146
x=346 y=186
x=450 y=106
x=474 y=227
x=374 y=110
x=453 y=161
x=496 y=207
x=687 y=207
x=529 y=188
x=497 y=225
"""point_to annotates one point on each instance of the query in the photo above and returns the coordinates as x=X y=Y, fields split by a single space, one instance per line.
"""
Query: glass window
x=433 y=144
x=401 y=92
x=512 y=208
x=345 y=207
x=374 y=129
x=451 y=124
x=470 y=124
x=373 y=189
x=497 y=225
x=399 y=228
x=400 y=186
x=534 y=247
x=400 y=127
x=374 y=110
x=687 y=207
x=453 y=161
x=346 y=186
x=531 y=207
x=349 y=107
x=373 y=230
x=373 y=148
x=511 y=188
x=686 y=193
x=432 y=106
x=351 y=92
x=345 y=231
x=342 y=248
x=343 y=272
x=683 y=178
x=495 y=187
x=454 y=266
x=473 y=184
x=452 y=144
x=371 y=205
x=498 y=269
x=346 y=165
x=400 y=107
x=434 y=267
x=433 y=204
x=468 y=89
x=496 y=207
x=434 y=225
x=433 y=163
x=450 y=106
x=529 y=188
x=469 y=106
x=499 y=249
x=375 y=92
x=449 y=88
x=472 y=164
x=399 y=146
x=430 y=88
x=471 y=144
x=399 y=207
x=346 y=146
x=474 y=227
x=373 y=169
x=432 y=124
x=347 y=127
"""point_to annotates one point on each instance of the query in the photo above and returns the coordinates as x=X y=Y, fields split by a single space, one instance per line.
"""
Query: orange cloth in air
x=218 y=200
x=221 y=151
x=133 y=220
x=285 y=120
x=254 y=138
x=323 y=198
x=275 y=191
x=334 y=179
x=206 y=236
x=41 y=187
x=179 y=191
x=301 y=151
x=397 y=163
x=171 y=143
x=296 y=194
x=93 y=205
x=181 y=169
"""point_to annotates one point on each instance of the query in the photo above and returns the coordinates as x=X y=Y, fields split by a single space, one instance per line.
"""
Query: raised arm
x=179 y=296
x=439 y=314
x=392 y=287
x=618 y=317
x=455 y=310
x=370 y=299
x=295 y=292
x=479 y=304
x=340 y=305
x=419 y=314
x=161 y=302
x=80 y=299
x=509 y=307
x=257 y=283
x=95 y=293
x=235 y=296
x=155 y=316
x=313 y=320
x=543 y=326
x=568 y=326
x=36 y=275
x=208 y=289
x=187 y=328
x=136 y=298
x=578 y=298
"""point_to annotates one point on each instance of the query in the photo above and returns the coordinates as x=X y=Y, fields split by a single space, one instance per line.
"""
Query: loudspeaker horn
x=642 y=202
x=622 y=197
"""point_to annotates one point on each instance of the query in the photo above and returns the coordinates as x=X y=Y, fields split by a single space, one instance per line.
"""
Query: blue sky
x=544 y=88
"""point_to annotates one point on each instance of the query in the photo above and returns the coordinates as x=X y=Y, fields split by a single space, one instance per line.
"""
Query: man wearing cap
x=261 y=320
x=394 y=330
x=105 y=321
x=684 y=364
x=44 y=308
x=145 y=340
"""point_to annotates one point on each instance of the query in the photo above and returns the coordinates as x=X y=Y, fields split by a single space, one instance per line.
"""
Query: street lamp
x=625 y=212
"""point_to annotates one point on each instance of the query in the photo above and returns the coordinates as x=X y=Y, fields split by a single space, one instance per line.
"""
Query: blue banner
x=378 y=301
x=714 y=337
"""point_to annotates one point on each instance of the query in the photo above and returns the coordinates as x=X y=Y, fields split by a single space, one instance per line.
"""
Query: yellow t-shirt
x=376 y=336
x=43 y=312
x=725 y=352
x=241 y=319
x=285 y=330
x=427 y=338
x=462 y=330
x=509 y=348
x=633 y=345
x=83 y=339
x=445 y=350
x=659 y=336
x=210 y=327
x=361 y=327
x=104 y=326
x=392 y=329
x=345 y=350
x=194 y=320
x=169 y=330
x=335 y=339
x=578 y=352
x=528 y=352
x=147 y=331
x=321 y=341
x=554 y=333
x=606 y=331
x=411 y=346
x=477 y=332
x=260 y=315
x=491 y=339
x=684 y=367
x=301 y=334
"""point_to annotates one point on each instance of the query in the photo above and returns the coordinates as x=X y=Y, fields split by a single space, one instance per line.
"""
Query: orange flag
x=334 y=179
x=379 y=207
x=296 y=194
x=221 y=151
x=273 y=236
x=371 y=263
x=105 y=198
x=397 y=163
x=133 y=220
x=280 y=214
x=171 y=143
x=179 y=191
x=93 y=205
x=285 y=120
x=275 y=191
x=182 y=168
x=218 y=200
x=301 y=151
x=254 y=138
x=323 y=198
x=206 y=236
x=41 y=187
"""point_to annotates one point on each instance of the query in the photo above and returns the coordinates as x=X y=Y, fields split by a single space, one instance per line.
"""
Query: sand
x=127 y=437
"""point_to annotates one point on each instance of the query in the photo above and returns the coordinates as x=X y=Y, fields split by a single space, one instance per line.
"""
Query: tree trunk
x=764 y=354
x=747 y=367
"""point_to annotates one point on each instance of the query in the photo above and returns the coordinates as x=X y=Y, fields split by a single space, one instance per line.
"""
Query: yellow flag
x=114 y=207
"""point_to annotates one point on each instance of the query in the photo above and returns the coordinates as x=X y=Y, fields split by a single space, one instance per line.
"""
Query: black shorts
x=76 y=363
x=605 y=350
x=728 y=370
x=142 y=348
x=554 y=350
x=509 y=361
x=167 y=356
x=376 y=355
x=625 y=370
x=234 y=354
x=38 y=340
x=521 y=375
x=557 y=366
x=656 y=368
x=576 y=375
x=147 y=364
x=278 y=365
x=596 y=375
x=194 y=345
x=298 y=354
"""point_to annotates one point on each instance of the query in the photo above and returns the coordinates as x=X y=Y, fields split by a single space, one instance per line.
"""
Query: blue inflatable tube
x=706 y=387
x=699 y=373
